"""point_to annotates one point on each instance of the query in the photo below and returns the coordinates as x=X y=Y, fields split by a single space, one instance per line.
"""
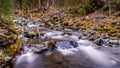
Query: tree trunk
x=39 y=5
x=12 y=4
x=20 y=4
x=109 y=7
x=53 y=3
x=48 y=4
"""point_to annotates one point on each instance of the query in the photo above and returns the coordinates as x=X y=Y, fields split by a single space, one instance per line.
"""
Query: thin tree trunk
x=48 y=4
x=109 y=7
x=20 y=4
x=12 y=4
x=39 y=5
x=53 y=3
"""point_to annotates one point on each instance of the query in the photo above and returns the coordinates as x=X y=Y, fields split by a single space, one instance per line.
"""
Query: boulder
x=46 y=46
x=56 y=58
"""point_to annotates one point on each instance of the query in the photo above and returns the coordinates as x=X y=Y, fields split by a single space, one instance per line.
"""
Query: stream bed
x=46 y=48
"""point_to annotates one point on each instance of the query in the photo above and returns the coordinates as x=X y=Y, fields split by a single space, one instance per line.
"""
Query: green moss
x=18 y=41
x=107 y=28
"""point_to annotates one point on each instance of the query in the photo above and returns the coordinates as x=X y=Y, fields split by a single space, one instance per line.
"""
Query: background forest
x=81 y=6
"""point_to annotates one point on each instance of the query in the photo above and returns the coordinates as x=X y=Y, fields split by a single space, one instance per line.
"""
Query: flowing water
x=78 y=54
x=83 y=56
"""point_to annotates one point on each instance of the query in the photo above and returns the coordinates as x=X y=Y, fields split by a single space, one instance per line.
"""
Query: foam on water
x=32 y=25
x=84 y=42
x=58 y=37
x=29 y=57
x=53 y=33
x=65 y=37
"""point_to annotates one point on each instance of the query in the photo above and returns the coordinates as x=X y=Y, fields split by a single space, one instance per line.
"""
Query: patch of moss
x=107 y=28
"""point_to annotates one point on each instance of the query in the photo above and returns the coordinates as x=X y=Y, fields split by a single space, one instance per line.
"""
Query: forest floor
x=96 y=21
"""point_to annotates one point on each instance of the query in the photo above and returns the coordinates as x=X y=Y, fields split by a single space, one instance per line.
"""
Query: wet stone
x=98 y=41
x=74 y=43
x=44 y=47
x=56 y=58
x=114 y=41
x=105 y=39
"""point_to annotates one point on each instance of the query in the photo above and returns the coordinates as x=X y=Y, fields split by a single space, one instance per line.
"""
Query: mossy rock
x=14 y=48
